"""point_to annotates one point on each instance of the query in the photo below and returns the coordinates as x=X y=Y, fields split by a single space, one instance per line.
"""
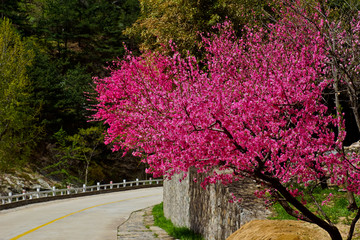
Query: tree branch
x=289 y=209
x=352 y=226
x=319 y=207
x=276 y=184
x=228 y=134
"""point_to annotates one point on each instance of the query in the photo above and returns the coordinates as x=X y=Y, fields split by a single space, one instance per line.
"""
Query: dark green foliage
x=60 y=90
x=12 y=10
x=87 y=31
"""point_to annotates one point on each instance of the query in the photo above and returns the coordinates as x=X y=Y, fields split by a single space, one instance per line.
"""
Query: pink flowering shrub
x=252 y=108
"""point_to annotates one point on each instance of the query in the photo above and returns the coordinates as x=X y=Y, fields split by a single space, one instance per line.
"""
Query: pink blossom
x=252 y=108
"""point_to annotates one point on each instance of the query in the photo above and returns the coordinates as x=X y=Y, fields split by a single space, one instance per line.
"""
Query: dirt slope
x=279 y=230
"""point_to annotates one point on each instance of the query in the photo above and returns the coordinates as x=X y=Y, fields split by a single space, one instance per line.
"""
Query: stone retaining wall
x=177 y=203
x=209 y=211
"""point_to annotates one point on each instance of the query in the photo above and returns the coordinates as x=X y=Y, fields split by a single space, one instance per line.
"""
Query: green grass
x=182 y=233
x=336 y=209
x=280 y=213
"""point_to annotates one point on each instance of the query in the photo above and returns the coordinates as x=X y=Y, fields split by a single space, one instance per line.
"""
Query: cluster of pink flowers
x=253 y=107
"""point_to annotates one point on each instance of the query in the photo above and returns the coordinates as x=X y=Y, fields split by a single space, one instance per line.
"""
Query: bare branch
x=319 y=207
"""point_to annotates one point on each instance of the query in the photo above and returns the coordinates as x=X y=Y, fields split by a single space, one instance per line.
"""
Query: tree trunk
x=352 y=226
x=275 y=183
x=86 y=171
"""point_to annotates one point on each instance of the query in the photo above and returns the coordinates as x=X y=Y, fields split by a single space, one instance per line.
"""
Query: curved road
x=84 y=218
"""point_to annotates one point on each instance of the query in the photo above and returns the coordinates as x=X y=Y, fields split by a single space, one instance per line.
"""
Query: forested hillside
x=50 y=50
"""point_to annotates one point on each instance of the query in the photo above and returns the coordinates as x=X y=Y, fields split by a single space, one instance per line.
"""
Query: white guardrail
x=71 y=190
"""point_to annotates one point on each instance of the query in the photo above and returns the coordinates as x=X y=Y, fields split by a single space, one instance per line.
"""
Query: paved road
x=85 y=218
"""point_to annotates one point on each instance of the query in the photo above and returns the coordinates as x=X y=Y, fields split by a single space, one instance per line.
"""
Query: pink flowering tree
x=253 y=108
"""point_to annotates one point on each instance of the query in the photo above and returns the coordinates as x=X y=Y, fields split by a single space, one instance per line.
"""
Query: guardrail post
x=157 y=181
x=68 y=190
x=23 y=192
x=84 y=187
x=38 y=192
x=111 y=184
x=53 y=191
x=124 y=182
x=98 y=186
x=10 y=197
x=137 y=182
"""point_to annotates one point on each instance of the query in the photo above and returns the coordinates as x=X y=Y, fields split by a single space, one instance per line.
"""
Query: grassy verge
x=176 y=232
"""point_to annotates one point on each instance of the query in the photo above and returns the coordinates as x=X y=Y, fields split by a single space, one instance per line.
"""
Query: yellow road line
x=34 y=229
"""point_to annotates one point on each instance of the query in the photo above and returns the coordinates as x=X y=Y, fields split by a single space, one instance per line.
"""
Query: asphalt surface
x=86 y=218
